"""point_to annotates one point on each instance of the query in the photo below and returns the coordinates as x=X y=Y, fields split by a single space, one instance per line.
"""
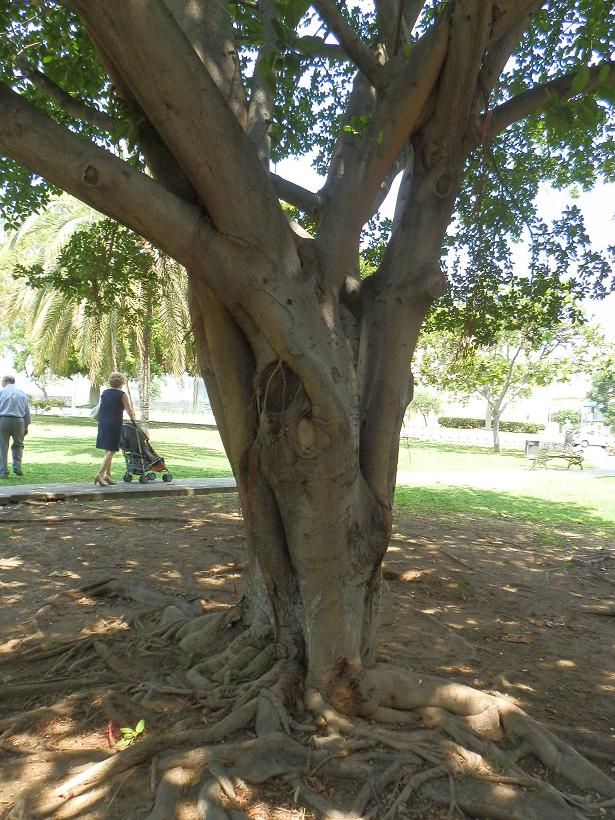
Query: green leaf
x=309 y=45
x=580 y=80
x=126 y=730
x=603 y=74
x=606 y=92
x=139 y=727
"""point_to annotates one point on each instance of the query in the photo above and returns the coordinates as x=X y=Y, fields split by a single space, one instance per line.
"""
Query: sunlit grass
x=435 y=479
x=61 y=450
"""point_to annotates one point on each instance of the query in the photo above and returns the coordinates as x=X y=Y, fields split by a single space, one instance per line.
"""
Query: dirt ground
x=497 y=605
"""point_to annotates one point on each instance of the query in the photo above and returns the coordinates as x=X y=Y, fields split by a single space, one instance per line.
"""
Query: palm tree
x=150 y=323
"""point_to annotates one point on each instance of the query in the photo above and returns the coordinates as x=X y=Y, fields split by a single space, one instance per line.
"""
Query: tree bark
x=495 y=429
x=144 y=347
x=94 y=396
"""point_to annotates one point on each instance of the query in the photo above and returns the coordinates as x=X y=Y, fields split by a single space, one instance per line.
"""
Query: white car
x=596 y=438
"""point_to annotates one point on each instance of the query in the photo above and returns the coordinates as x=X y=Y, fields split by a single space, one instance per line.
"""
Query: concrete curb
x=85 y=492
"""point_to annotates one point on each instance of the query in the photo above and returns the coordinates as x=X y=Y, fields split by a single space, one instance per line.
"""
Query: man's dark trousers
x=11 y=427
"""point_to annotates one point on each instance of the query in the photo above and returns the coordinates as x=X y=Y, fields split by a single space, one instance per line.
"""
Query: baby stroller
x=141 y=458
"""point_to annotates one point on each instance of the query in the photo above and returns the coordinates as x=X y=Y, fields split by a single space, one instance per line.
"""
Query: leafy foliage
x=425 y=402
x=508 y=369
x=603 y=389
x=91 y=285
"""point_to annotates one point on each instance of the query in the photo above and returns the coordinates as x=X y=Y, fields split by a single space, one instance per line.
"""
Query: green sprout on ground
x=130 y=735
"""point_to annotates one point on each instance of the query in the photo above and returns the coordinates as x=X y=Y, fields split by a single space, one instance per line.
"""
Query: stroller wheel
x=151 y=476
x=167 y=477
x=143 y=479
x=128 y=477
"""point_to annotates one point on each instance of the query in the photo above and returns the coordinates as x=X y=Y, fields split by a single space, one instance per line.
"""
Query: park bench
x=552 y=449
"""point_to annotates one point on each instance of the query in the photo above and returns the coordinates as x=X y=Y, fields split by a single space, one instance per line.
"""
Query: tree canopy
x=547 y=87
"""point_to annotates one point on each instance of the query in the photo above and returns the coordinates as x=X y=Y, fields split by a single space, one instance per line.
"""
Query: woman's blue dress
x=110 y=417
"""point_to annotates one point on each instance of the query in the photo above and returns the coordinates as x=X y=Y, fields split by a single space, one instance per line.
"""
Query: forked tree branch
x=536 y=98
x=71 y=105
x=260 y=112
x=191 y=115
x=509 y=13
x=352 y=189
x=98 y=178
x=360 y=54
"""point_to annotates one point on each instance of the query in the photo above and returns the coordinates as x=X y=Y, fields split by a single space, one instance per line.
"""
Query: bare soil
x=496 y=605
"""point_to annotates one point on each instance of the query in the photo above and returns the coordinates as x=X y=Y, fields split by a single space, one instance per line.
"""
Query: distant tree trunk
x=144 y=346
x=495 y=429
x=195 y=394
x=489 y=418
x=94 y=397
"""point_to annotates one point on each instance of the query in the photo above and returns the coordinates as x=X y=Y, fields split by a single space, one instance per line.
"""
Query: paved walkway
x=13 y=494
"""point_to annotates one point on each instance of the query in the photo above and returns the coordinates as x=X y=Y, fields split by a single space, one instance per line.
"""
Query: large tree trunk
x=315 y=473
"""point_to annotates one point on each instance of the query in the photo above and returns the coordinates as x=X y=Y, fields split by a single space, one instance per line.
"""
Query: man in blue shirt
x=14 y=422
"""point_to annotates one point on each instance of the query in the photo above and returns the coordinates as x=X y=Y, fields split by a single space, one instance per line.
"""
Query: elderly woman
x=113 y=403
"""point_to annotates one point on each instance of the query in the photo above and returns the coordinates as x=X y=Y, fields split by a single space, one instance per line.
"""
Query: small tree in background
x=508 y=369
x=425 y=402
x=568 y=415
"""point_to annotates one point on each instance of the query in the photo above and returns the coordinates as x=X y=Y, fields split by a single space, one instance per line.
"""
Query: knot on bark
x=90 y=175
x=435 y=282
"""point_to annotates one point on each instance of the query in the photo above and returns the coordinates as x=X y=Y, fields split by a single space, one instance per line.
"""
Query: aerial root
x=210 y=629
x=498 y=801
x=142 y=593
x=480 y=711
x=168 y=793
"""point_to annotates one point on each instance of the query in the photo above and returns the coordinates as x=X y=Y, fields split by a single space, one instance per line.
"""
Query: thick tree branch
x=412 y=12
x=192 y=117
x=71 y=105
x=360 y=54
x=357 y=171
x=99 y=179
x=296 y=195
x=208 y=28
x=509 y=13
x=534 y=99
x=260 y=112
x=160 y=161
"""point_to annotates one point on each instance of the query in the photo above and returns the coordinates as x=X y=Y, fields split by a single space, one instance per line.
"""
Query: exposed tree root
x=390 y=732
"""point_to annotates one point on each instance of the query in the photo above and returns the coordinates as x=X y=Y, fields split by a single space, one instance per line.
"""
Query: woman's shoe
x=98 y=479
x=108 y=480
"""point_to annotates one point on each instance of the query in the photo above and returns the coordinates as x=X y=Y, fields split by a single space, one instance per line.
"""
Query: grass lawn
x=59 y=449
x=434 y=479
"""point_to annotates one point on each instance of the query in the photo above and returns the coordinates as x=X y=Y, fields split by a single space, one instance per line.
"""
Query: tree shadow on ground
x=476 y=600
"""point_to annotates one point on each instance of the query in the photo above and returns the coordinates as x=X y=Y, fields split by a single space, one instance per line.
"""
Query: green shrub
x=459 y=423
x=479 y=424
